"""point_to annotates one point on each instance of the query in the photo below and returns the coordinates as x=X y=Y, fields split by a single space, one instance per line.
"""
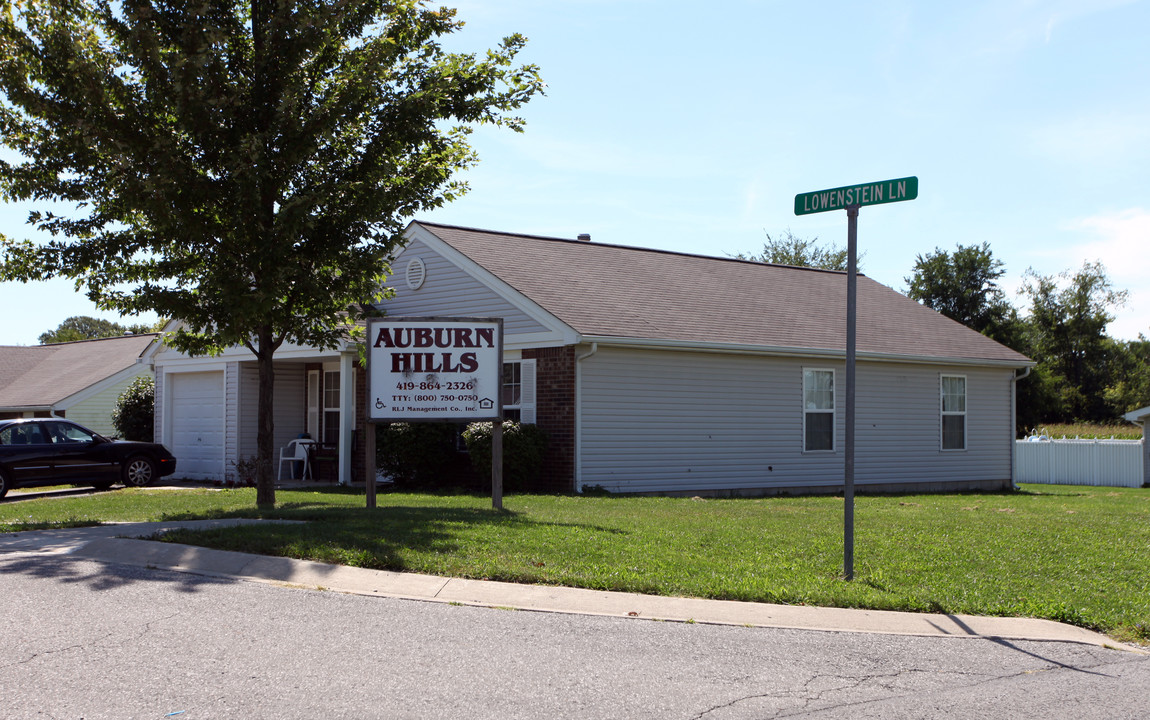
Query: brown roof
x=42 y=375
x=617 y=291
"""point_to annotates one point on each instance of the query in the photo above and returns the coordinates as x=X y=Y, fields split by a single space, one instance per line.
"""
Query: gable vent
x=416 y=273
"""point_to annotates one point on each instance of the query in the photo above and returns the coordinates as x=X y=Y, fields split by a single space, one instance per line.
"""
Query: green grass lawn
x=1075 y=554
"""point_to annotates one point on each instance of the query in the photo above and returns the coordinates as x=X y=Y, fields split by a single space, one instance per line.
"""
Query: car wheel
x=4 y=484
x=139 y=471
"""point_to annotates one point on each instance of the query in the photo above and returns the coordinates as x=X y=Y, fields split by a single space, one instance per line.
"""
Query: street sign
x=876 y=193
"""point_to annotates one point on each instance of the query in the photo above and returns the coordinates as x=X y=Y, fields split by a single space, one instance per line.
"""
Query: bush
x=415 y=453
x=135 y=411
x=523 y=450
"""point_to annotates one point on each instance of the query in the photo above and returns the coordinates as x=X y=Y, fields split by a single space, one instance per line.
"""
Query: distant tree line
x=83 y=327
x=1082 y=374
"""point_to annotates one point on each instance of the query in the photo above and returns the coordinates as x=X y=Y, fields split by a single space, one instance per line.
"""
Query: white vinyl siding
x=95 y=412
x=682 y=421
x=288 y=412
x=449 y=291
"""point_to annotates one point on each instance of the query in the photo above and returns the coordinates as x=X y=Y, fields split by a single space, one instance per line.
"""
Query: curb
x=542 y=598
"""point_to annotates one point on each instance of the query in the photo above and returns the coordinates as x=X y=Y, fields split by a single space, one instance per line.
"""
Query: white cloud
x=1121 y=241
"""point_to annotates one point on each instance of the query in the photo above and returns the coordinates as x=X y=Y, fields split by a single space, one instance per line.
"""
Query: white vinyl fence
x=1110 y=463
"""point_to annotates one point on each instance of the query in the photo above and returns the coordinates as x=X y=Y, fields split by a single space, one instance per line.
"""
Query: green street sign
x=877 y=193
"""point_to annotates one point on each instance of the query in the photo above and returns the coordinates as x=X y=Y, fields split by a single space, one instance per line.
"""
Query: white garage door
x=197 y=416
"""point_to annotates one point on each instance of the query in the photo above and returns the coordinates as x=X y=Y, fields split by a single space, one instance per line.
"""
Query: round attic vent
x=416 y=273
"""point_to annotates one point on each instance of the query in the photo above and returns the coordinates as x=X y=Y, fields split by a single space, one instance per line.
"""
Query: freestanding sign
x=426 y=369
x=851 y=198
x=436 y=369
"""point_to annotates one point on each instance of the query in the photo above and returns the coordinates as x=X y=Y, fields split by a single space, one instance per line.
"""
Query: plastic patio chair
x=296 y=451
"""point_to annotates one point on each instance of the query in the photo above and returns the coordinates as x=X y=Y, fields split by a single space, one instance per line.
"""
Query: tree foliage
x=790 y=249
x=135 y=410
x=84 y=327
x=963 y=286
x=243 y=166
x=1081 y=373
x=1066 y=330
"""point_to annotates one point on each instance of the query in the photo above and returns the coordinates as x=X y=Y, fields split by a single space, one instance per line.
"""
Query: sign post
x=851 y=198
x=437 y=370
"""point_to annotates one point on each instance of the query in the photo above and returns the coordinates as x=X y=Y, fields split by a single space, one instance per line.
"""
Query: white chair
x=296 y=451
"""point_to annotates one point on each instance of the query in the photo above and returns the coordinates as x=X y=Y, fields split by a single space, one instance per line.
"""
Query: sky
x=691 y=127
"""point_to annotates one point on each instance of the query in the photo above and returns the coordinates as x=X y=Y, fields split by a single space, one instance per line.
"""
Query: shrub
x=415 y=453
x=135 y=411
x=243 y=472
x=523 y=450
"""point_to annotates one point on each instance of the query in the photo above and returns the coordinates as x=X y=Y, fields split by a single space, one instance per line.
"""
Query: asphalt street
x=86 y=639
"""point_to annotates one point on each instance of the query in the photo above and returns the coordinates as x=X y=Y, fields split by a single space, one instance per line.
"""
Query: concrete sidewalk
x=117 y=544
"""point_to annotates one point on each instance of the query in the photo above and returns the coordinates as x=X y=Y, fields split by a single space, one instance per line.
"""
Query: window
x=518 y=388
x=818 y=410
x=512 y=390
x=953 y=406
x=331 y=407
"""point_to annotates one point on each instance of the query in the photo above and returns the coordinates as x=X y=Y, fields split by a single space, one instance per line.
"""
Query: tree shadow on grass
x=378 y=538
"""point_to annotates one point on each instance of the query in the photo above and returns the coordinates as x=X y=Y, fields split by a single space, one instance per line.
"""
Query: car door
x=79 y=455
x=27 y=453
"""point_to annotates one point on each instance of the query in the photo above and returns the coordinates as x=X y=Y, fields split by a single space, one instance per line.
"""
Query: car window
x=22 y=435
x=68 y=433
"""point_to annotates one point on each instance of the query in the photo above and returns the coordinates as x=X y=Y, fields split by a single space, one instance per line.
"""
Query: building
x=79 y=380
x=654 y=371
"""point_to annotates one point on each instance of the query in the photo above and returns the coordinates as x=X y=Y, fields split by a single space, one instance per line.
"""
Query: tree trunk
x=265 y=437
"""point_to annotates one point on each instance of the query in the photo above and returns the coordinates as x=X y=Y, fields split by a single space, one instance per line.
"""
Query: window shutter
x=313 y=404
x=527 y=393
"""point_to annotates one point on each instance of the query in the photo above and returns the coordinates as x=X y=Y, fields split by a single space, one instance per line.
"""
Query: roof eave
x=785 y=351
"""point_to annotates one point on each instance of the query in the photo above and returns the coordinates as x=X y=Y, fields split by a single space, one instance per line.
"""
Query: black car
x=52 y=451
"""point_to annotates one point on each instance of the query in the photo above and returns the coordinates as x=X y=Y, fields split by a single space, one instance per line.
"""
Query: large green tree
x=243 y=166
x=963 y=286
x=1067 y=331
x=790 y=249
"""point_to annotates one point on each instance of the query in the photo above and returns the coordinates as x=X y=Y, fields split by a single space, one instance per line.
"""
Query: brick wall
x=555 y=414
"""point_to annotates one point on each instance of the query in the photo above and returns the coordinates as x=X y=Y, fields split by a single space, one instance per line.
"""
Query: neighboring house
x=1141 y=417
x=79 y=380
x=653 y=371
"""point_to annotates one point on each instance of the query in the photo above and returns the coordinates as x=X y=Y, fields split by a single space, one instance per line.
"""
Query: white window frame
x=944 y=413
x=833 y=411
x=526 y=404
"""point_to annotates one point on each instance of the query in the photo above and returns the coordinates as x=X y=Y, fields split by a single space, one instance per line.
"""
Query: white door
x=197 y=416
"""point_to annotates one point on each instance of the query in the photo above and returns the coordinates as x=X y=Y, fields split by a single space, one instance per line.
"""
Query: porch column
x=346 y=414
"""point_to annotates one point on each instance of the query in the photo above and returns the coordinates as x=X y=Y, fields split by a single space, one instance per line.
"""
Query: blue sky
x=691 y=127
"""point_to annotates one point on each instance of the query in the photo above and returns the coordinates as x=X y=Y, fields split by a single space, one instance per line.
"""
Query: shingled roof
x=38 y=376
x=614 y=291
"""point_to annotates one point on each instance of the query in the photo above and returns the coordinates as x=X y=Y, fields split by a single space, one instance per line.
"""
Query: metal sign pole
x=497 y=463
x=849 y=453
x=369 y=462
x=851 y=198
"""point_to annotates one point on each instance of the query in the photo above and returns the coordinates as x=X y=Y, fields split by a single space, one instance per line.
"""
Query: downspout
x=579 y=415
x=1014 y=424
